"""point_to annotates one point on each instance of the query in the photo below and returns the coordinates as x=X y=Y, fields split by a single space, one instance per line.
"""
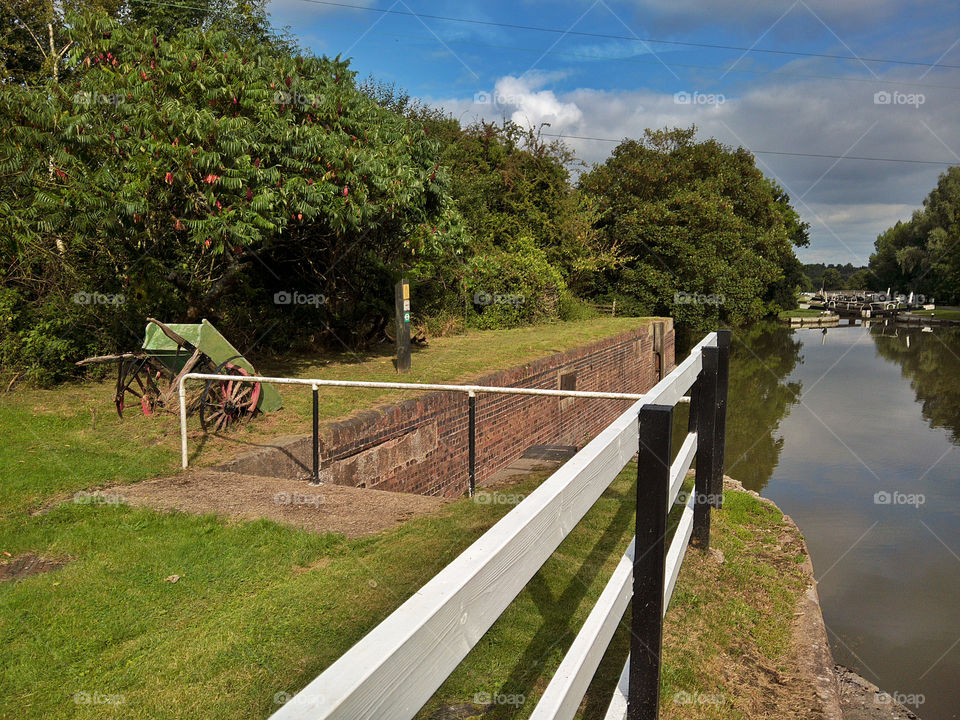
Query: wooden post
x=723 y=382
x=646 y=625
x=658 y=329
x=706 y=422
x=402 y=308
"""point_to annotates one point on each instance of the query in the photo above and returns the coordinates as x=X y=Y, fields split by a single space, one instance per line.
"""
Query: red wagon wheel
x=226 y=402
x=138 y=377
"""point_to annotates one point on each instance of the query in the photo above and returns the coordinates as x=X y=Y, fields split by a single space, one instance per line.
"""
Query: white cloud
x=519 y=98
x=847 y=202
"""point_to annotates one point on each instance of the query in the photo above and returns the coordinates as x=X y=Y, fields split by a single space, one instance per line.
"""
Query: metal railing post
x=182 y=392
x=720 y=431
x=316 y=435
x=706 y=423
x=472 y=442
x=646 y=624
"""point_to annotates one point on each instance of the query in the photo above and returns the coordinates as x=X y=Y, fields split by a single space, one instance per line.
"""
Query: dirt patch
x=28 y=564
x=324 y=508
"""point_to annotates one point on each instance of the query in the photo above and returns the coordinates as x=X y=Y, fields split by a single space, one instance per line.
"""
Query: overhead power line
x=564 y=136
x=658 y=62
x=633 y=60
x=609 y=36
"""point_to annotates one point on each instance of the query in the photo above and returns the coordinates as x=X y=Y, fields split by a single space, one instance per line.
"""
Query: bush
x=513 y=286
x=199 y=175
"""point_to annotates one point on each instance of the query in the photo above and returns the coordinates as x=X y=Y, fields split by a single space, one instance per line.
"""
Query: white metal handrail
x=316 y=383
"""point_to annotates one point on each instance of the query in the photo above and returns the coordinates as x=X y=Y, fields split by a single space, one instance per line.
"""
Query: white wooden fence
x=395 y=669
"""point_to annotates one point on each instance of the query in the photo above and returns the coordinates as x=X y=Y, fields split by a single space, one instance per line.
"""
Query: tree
x=832 y=279
x=198 y=176
x=708 y=238
x=529 y=229
x=861 y=280
x=32 y=35
x=921 y=255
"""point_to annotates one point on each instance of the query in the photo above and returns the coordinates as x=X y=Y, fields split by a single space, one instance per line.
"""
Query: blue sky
x=612 y=81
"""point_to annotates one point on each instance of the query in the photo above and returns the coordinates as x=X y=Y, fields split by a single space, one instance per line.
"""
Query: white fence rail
x=395 y=669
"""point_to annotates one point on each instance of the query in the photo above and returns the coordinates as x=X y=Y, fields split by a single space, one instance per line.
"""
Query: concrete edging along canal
x=910 y=319
x=811 y=320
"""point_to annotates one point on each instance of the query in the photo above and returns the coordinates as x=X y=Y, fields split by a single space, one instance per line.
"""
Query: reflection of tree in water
x=931 y=363
x=761 y=358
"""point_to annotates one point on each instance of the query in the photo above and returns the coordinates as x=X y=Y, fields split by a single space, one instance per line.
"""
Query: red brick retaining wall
x=420 y=445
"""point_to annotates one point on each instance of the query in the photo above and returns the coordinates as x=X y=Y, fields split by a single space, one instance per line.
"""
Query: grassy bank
x=799 y=313
x=259 y=609
x=940 y=313
x=170 y=615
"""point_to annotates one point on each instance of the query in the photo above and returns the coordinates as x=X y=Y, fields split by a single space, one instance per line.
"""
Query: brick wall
x=420 y=445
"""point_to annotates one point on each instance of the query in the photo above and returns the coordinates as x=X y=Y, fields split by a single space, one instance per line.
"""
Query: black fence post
x=472 y=448
x=316 y=435
x=723 y=382
x=706 y=394
x=646 y=624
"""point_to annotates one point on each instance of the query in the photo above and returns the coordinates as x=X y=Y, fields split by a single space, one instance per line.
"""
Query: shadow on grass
x=557 y=611
x=297 y=364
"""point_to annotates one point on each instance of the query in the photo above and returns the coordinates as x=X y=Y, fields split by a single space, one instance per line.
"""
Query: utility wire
x=634 y=60
x=715 y=46
x=656 y=63
x=774 y=152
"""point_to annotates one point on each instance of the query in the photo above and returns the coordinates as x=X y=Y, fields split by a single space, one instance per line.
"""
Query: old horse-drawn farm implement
x=152 y=374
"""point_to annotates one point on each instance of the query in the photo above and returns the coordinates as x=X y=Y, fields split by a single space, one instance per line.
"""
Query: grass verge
x=800 y=313
x=940 y=313
x=259 y=610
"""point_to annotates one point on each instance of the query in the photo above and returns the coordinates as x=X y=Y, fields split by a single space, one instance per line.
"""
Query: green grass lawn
x=260 y=610
x=942 y=313
x=801 y=313
x=69 y=437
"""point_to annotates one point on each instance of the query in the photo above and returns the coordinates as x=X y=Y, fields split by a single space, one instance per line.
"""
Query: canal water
x=853 y=432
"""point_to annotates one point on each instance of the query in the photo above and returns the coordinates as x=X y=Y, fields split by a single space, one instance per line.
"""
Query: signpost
x=402 y=300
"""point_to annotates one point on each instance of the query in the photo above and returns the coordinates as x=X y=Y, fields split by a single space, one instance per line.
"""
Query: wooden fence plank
x=669 y=390
x=680 y=466
x=563 y=695
x=677 y=551
x=617 y=710
x=646 y=622
x=395 y=669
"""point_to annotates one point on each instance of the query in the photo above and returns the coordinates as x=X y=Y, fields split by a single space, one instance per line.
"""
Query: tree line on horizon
x=191 y=162
x=922 y=255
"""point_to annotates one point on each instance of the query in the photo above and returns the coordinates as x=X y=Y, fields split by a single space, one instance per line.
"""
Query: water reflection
x=879 y=415
x=761 y=358
x=931 y=362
